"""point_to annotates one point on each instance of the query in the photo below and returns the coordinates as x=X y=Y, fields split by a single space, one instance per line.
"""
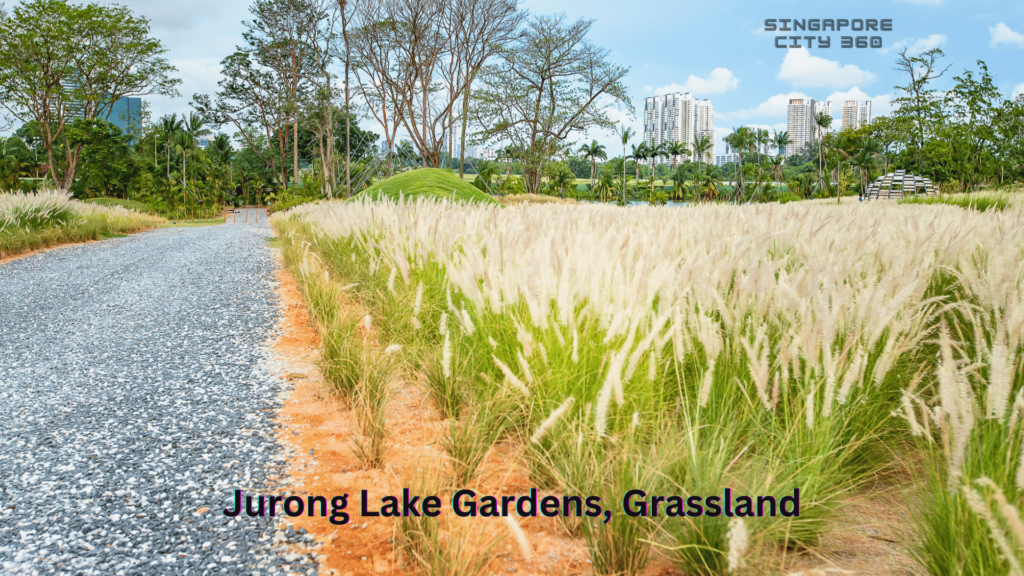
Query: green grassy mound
x=129 y=204
x=431 y=182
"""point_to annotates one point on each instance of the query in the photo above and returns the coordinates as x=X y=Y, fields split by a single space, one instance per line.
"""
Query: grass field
x=31 y=221
x=128 y=204
x=836 y=351
x=427 y=182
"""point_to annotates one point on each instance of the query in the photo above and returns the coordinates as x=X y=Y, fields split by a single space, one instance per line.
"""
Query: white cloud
x=801 y=69
x=1002 y=34
x=1019 y=90
x=720 y=81
x=919 y=46
x=773 y=107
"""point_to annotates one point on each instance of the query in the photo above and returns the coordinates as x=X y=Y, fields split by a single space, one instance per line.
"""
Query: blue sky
x=715 y=49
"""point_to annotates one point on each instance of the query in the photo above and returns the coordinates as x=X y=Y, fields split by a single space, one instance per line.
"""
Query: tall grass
x=808 y=346
x=48 y=218
x=977 y=201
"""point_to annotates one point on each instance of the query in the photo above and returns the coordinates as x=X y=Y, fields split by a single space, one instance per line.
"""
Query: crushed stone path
x=135 y=397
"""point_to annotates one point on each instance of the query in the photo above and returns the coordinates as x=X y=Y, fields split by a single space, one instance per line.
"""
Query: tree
x=741 y=140
x=781 y=141
x=675 y=149
x=974 y=103
x=60 y=61
x=422 y=57
x=639 y=153
x=919 y=104
x=191 y=129
x=702 y=145
x=169 y=127
x=864 y=160
x=264 y=80
x=593 y=152
x=655 y=151
x=822 y=122
x=550 y=84
x=625 y=134
x=106 y=166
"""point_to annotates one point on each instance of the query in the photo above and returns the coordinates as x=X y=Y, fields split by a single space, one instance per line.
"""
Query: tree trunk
x=348 y=111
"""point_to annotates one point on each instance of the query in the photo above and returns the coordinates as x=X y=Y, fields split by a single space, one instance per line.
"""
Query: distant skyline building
x=678 y=118
x=856 y=114
x=802 y=122
x=723 y=159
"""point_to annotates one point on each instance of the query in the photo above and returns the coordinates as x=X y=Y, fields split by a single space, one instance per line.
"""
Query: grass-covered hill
x=432 y=182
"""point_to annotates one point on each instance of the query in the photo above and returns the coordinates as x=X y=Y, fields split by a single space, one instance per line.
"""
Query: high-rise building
x=802 y=123
x=678 y=118
x=856 y=114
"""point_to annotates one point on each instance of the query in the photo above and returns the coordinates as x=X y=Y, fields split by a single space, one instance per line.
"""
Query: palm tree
x=782 y=142
x=626 y=134
x=170 y=126
x=593 y=152
x=707 y=183
x=701 y=146
x=777 y=163
x=655 y=151
x=638 y=153
x=864 y=160
x=679 y=183
x=188 y=131
x=675 y=149
x=741 y=140
x=822 y=122
x=184 y=143
x=486 y=172
x=760 y=141
x=605 y=185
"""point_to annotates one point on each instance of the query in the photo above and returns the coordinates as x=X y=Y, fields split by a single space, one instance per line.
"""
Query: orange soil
x=314 y=421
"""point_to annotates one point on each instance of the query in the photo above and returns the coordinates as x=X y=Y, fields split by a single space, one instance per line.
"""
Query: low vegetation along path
x=135 y=398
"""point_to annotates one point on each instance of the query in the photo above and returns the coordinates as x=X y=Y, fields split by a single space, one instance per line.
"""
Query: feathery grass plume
x=551 y=420
x=612 y=382
x=1000 y=368
x=853 y=375
x=510 y=377
x=705 y=387
x=366 y=325
x=446 y=357
x=526 y=368
x=419 y=300
x=492 y=342
x=467 y=322
x=520 y=536
x=575 y=347
x=415 y=323
x=739 y=542
x=978 y=505
x=955 y=401
x=1010 y=513
x=543 y=352
x=443 y=327
x=391 y=280
x=393 y=349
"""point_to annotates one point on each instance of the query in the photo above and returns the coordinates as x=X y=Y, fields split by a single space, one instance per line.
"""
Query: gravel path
x=133 y=394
